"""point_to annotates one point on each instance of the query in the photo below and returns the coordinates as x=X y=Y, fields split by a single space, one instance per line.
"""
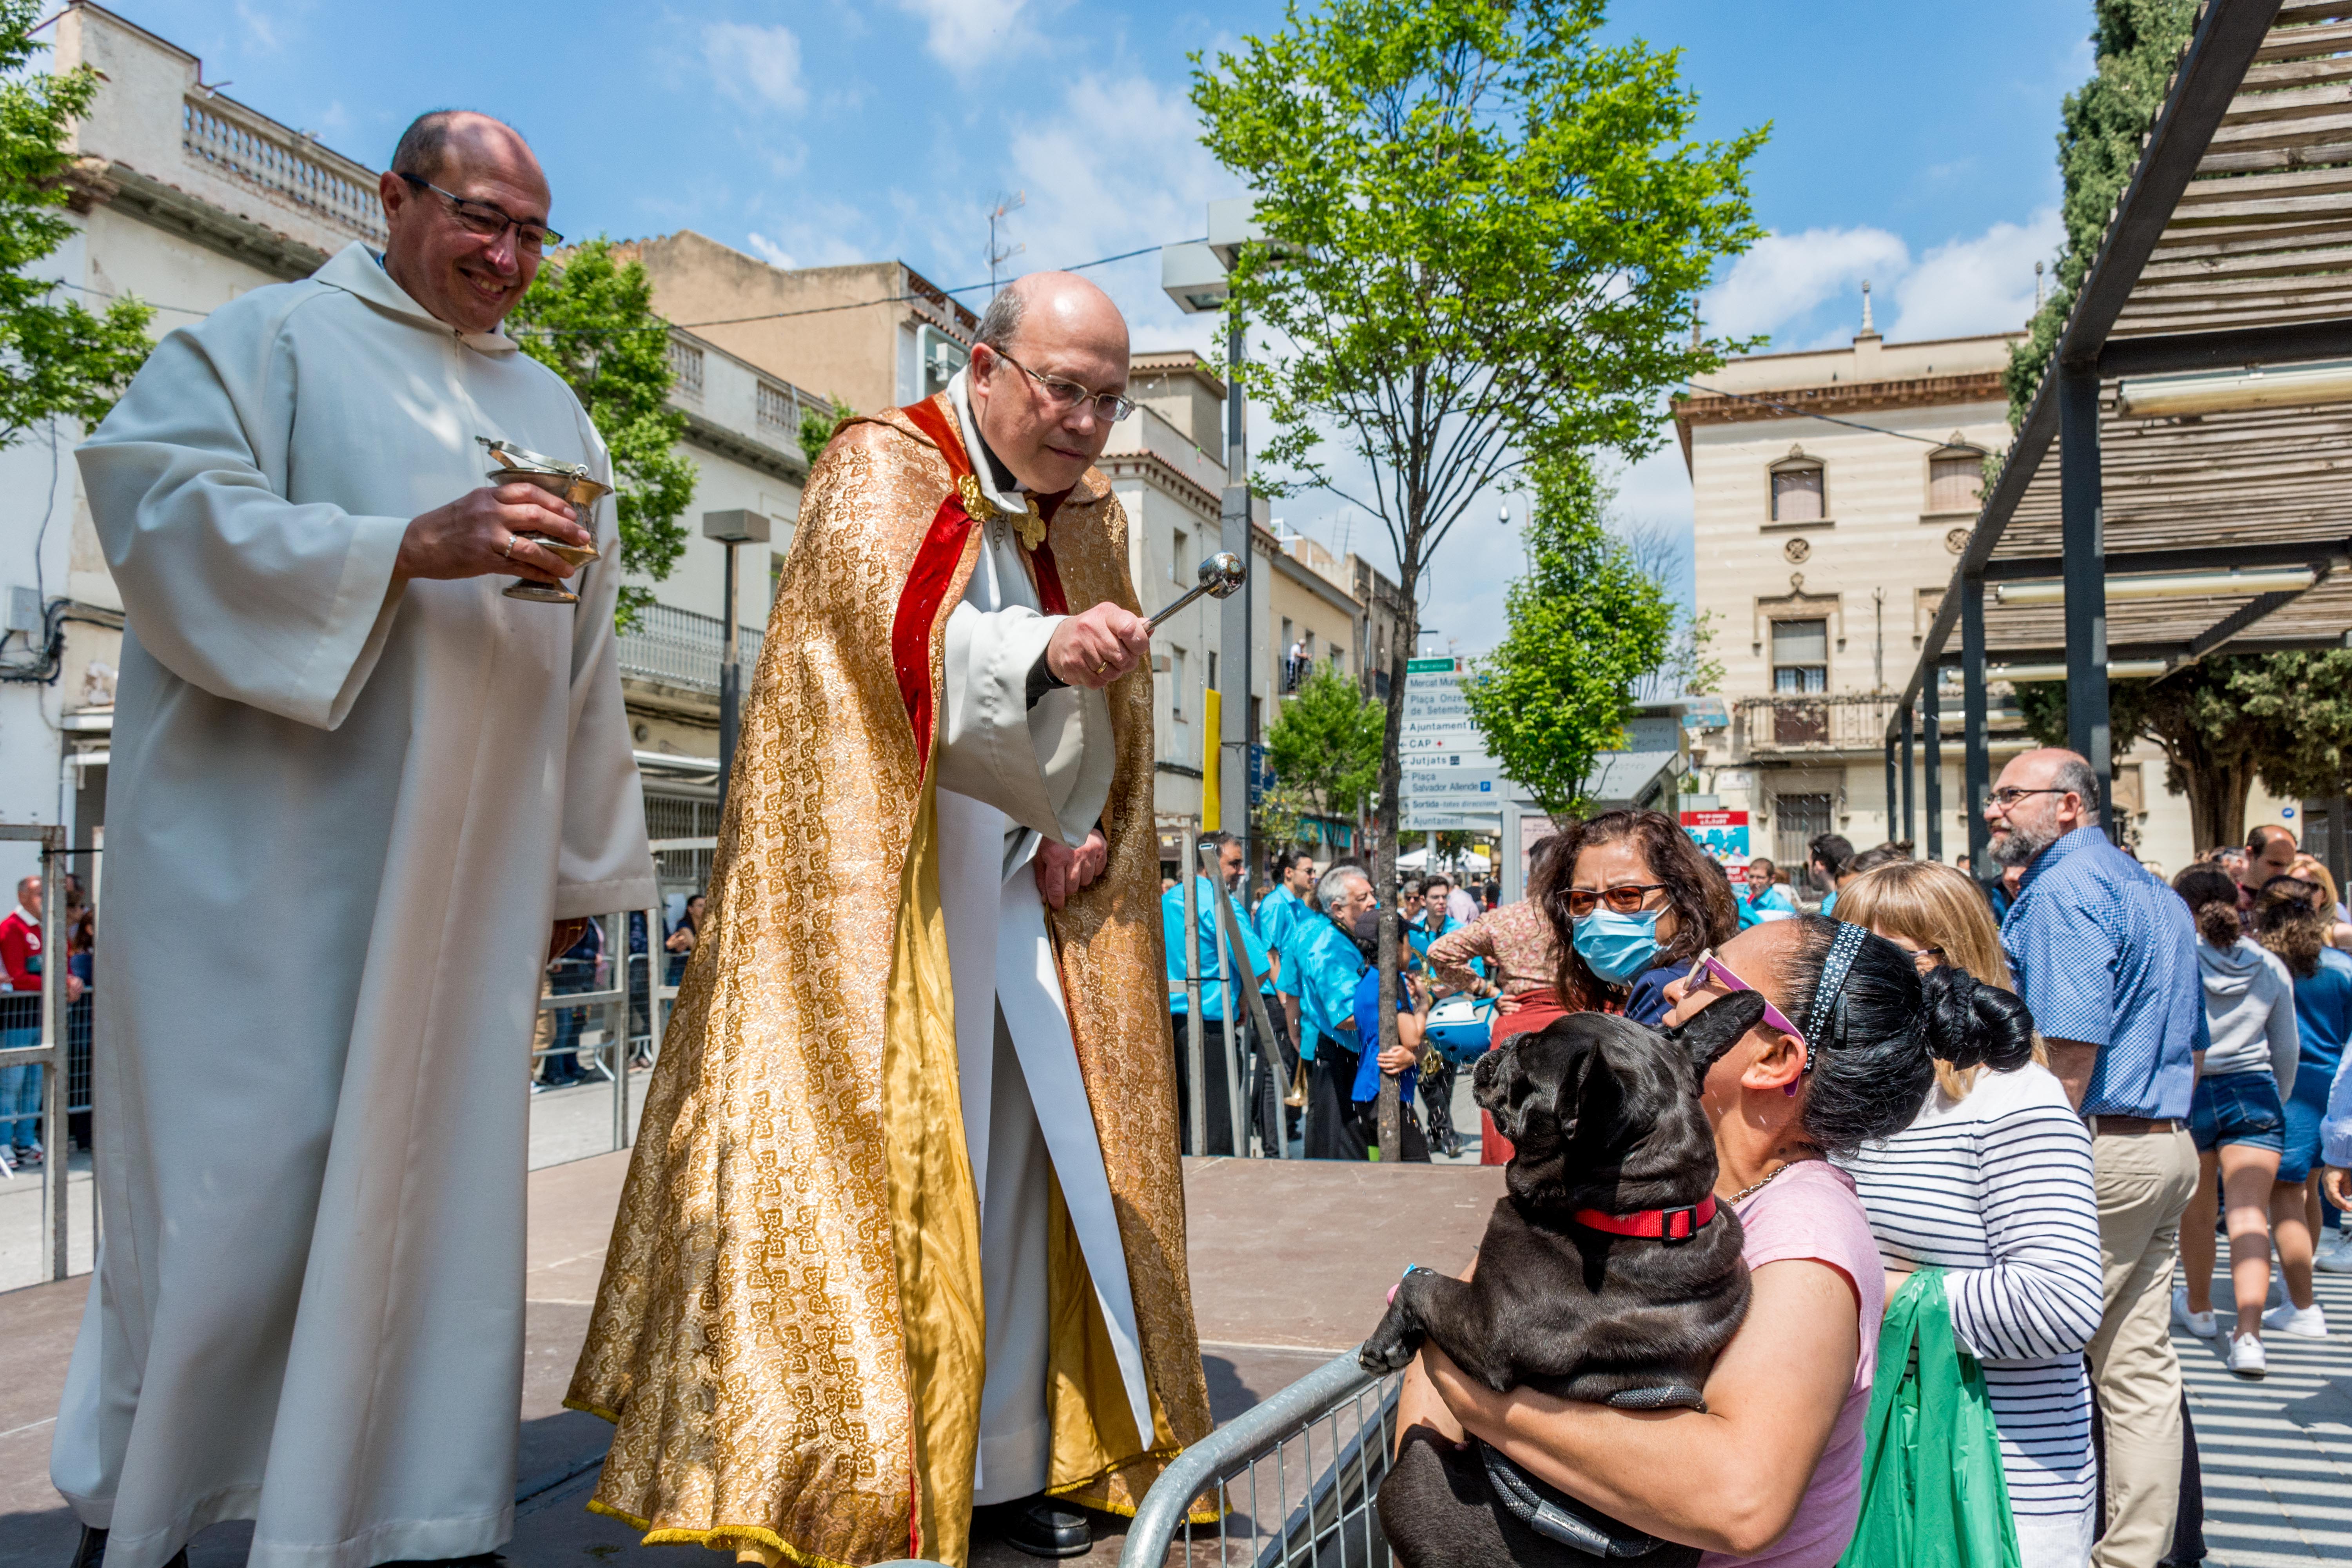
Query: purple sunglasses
x=1709 y=964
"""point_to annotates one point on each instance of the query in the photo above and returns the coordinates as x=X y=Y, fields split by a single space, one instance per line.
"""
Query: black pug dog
x=1604 y=1117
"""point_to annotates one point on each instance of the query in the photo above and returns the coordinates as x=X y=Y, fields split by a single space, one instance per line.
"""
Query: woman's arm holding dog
x=1728 y=1479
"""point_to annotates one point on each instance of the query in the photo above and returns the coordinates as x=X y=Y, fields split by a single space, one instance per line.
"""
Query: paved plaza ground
x=1290 y=1263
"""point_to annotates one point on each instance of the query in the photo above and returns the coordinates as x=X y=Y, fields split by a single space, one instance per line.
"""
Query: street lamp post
x=1195 y=276
x=730 y=529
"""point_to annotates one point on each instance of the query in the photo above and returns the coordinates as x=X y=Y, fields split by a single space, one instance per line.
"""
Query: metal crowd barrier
x=51 y=1053
x=1294 y=1480
x=634 y=1008
x=1254 y=1073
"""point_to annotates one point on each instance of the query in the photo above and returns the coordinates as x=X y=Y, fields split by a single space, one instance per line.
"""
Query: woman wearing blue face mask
x=1633 y=902
x=1638 y=903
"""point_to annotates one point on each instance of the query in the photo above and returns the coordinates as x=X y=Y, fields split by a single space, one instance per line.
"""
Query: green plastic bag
x=1932 y=1492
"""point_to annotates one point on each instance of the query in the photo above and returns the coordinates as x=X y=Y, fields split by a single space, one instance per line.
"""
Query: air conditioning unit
x=937 y=358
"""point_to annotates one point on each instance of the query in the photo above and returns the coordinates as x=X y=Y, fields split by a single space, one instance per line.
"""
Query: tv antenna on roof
x=999 y=255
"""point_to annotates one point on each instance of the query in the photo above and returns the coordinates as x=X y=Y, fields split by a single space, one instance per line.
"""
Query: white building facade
x=1832 y=492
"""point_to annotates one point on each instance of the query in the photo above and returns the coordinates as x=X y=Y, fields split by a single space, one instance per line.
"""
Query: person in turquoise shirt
x=1431 y=921
x=1318 y=982
x=1294 y=879
x=1219 y=997
x=1278 y=915
x=1762 y=898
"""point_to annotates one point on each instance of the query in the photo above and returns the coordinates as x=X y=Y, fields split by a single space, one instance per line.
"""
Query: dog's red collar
x=1668 y=1225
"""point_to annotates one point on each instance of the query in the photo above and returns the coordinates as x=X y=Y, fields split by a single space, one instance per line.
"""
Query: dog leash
x=1524 y=1498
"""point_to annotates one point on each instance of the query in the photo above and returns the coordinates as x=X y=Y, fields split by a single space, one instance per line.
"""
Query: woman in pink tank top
x=1770 y=1472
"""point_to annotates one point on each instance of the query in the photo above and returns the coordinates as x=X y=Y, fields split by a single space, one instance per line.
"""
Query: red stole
x=935 y=567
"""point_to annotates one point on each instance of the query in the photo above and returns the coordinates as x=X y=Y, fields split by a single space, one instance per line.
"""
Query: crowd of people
x=24 y=963
x=558 y=1060
x=2048 y=1091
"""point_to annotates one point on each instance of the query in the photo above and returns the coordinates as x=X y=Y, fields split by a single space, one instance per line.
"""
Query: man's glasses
x=1625 y=899
x=1064 y=395
x=489 y=221
x=2005 y=798
x=1708 y=964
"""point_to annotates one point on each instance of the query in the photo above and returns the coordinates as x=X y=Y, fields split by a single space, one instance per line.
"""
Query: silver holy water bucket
x=568 y=480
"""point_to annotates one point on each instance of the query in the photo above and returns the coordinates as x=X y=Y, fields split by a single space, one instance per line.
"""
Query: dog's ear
x=1709 y=1031
x=1588 y=1096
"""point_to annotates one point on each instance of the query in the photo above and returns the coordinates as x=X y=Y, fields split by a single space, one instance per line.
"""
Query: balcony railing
x=1815 y=722
x=679 y=648
x=1854 y=722
x=283 y=167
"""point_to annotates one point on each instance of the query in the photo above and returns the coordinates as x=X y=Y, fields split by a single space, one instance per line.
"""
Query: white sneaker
x=2304 y=1322
x=2246 y=1357
x=2199 y=1324
x=2335 y=1254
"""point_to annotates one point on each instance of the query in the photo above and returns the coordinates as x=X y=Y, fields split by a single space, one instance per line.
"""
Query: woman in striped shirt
x=1992 y=1184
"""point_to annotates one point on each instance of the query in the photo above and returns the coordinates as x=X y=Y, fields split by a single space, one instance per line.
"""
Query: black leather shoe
x=90 y=1552
x=1039 y=1526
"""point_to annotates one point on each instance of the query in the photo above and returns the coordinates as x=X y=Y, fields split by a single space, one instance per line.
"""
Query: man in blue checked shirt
x=2106 y=957
x=1219 y=999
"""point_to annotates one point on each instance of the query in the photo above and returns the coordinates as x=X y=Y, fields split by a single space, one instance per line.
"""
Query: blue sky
x=1910 y=144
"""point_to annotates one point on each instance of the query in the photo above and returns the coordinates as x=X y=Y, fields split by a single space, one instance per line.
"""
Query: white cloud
x=759 y=67
x=825 y=235
x=260 y=29
x=1980 y=285
x=1119 y=168
x=1785 y=276
x=965 y=33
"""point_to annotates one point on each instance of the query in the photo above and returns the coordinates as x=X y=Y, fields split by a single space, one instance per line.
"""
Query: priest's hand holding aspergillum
x=480 y=535
x=1096 y=647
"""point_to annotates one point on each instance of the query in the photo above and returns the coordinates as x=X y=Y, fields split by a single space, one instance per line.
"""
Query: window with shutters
x=1797 y=492
x=1954 y=479
x=1800 y=656
x=1797 y=821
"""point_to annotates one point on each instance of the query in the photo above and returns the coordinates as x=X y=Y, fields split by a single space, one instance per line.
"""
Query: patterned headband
x=1826 y=990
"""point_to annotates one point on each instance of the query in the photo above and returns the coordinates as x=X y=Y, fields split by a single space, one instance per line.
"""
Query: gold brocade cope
x=788 y=1335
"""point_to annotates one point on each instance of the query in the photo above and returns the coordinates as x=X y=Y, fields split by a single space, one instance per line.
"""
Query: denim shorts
x=2237 y=1108
x=2300 y=1155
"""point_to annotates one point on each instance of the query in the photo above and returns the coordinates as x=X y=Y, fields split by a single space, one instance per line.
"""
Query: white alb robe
x=1009 y=774
x=341 y=817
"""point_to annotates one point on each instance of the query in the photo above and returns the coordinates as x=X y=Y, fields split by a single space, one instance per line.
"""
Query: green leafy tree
x=57 y=358
x=817 y=425
x=1493 y=228
x=1279 y=820
x=2136 y=42
x=1583 y=626
x=592 y=324
x=2284 y=719
x=1325 y=745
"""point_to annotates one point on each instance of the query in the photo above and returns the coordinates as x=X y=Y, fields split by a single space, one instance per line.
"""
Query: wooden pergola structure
x=2182 y=482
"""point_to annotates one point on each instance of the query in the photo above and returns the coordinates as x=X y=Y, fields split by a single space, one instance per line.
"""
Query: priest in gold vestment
x=904 y=1232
